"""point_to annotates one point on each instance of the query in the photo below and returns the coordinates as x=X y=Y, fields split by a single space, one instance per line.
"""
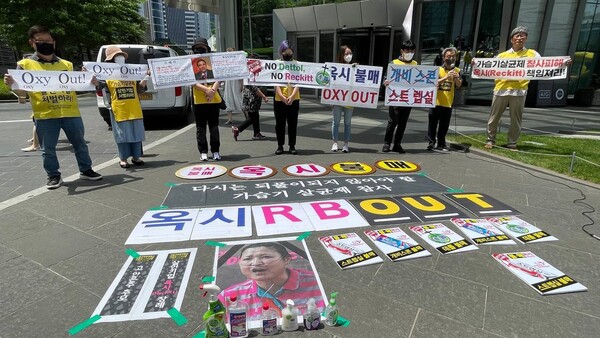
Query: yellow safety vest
x=514 y=84
x=403 y=63
x=445 y=93
x=51 y=105
x=124 y=100
x=200 y=96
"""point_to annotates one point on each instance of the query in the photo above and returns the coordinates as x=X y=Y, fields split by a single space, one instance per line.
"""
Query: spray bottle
x=289 y=317
x=238 y=317
x=312 y=317
x=214 y=317
x=331 y=311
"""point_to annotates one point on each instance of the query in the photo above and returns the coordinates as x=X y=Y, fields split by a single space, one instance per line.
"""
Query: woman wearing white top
x=344 y=56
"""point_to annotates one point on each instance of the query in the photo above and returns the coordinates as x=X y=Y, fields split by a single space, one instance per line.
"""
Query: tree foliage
x=77 y=25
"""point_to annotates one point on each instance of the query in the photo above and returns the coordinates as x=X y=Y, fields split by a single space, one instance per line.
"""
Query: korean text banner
x=297 y=74
x=45 y=80
x=352 y=85
x=411 y=86
x=190 y=69
x=114 y=71
x=542 y=68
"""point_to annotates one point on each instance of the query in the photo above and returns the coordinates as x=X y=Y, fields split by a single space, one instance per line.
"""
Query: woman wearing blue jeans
x=344 y=56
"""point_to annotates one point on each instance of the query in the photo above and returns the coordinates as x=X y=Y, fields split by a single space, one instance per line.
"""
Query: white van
x=171 y=103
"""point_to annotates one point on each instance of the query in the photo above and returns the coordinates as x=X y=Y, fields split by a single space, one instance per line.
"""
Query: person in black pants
x=251 y=101
x=286 y=107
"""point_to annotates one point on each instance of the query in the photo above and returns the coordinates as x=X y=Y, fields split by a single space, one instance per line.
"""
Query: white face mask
x=119 y=59
x=348 y=58
x=408 y=56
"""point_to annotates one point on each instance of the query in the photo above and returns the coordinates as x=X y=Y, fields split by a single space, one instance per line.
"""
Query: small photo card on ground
x=349 y=250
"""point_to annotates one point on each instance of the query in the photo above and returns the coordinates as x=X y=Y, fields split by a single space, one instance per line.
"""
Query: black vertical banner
x=167 y=287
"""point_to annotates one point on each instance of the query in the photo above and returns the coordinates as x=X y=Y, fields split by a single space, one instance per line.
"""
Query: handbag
x=222 y=104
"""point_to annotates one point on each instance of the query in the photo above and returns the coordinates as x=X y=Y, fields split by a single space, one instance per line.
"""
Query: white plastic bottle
x=312 y=317
x=268 y=320
x=238 y=318
x=289 y=317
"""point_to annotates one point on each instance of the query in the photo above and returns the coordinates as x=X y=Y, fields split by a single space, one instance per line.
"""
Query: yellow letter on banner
x=390 y=207
x=475 y=198
x=434 y=205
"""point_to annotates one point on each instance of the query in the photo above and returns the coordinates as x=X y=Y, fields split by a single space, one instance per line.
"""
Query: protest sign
x=190 y=69
x=294 y=73
x=541 y=68
x=46 y=80
x=481 y=231
x=442 y=238
x=520 y=230
x=352 y=85
x=349 y=250
x=411 y=86
x=396 y=244
x=115 y=71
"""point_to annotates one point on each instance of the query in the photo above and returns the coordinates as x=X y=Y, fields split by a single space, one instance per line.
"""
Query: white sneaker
x=334 y=147
x=345 y=148
x=216 y=156
x=204 y=157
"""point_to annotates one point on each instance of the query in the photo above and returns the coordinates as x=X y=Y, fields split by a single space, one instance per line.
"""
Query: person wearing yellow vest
x=126 y=115
x=449 y=79
x=398 y=116
x=206 y=104
x=344 y=56
x=286 y=107
x=54 y=111
x=510 y=93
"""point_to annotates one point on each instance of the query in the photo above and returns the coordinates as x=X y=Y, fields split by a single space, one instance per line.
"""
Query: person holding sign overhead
x=344 y=56
x=54 y=110
x=125 y=111
x=286 y=106
x=398 y=116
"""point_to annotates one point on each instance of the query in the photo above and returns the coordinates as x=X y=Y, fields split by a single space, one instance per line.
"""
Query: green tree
x=77 y=25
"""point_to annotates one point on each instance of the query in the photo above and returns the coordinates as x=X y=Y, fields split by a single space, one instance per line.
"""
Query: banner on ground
x=148 y=286
x=349 y=250
x=294 y=73
x=481 y=231
x=190 y=69
x=396 y=244
x=520 y=230
x=247 y=269
x=46 y=80
x=542 y=68
x=411 y=86
x=442 y=238
x=352 y=85
x=537 y=273
x=114 y=71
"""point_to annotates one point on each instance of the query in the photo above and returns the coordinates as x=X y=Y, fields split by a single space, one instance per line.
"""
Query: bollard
x=572 y=163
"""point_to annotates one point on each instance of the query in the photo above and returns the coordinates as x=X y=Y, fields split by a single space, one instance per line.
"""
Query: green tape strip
x=455 y=190
x=132 y=253
x=200 y=334
x=303 y=236
x=208 y=279
x=83 y=325
x=422 y=173
x=159 y=207
x=170 y=184
x=211 y=243
x=343 y=321
x=177 y=316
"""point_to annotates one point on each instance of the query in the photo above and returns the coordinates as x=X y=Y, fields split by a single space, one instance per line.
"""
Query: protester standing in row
x=398 y=116
x=344 y=56
x=449 y=79
x=286 y=106
x=54 y=110
x=126 y=114
x=251 y=102
x=232 y=94
x=206 y=105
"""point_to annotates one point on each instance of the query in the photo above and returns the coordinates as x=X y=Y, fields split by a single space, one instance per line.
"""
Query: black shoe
x=293 y=151
x=124 y=165
x=386 y=148
x=279 y=151
x=90 y=175
x=444 y=149
x=54 y=182
x=430 y=147
x=109 y=128
x=398 y=148
x=137 y=162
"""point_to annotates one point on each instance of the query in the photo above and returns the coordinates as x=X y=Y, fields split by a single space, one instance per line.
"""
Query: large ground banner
x=268 y=271
x=148 y=286
x=352 y=85
x=541 y=68
x=411 y=86
x=293 y=73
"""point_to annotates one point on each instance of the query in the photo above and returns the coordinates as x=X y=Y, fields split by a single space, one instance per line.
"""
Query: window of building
x=585 y=72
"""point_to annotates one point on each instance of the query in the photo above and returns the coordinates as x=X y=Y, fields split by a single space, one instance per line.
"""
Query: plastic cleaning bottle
x=289 y=317
x=312 y=317
x=268 y=320
x=214 y=317
x=238 y=317
x=331 y=311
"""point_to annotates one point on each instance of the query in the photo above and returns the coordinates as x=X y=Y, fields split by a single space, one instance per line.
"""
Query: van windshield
x=137 y=55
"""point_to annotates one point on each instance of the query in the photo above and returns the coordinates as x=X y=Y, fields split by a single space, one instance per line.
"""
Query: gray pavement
x=60 y=250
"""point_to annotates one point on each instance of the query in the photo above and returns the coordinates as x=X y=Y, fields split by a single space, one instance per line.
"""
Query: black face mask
x=44 y=48
x=449 y=62
x=287 y=57
x=199 y=51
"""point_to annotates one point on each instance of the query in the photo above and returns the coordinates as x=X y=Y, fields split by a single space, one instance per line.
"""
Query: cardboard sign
x=349 y=250
x=442 y=238
x=293 y=73
x=157 y=226
x=352 y=85
x=396 y=244
x=481 y=232
x=521 y=230
x=480 y=204
x=383 y=211
x=411 y=86
x=429 y=207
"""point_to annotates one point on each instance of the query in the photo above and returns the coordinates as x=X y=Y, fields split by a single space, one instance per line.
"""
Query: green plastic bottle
x=214 y=317
x=331 y=311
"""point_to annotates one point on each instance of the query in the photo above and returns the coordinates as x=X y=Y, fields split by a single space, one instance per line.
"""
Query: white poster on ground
x=521 y=230
x=333 y=214
x=158 y=226
x=411 y=86
x=396 y=244
x=115 y=71
x=282 y=218
x=222 y=222
x=442 y=238
x=352 y=85
x=481 y=232
x=46 y=80
x=349 y=250
x=537 y=273
x=148 y=286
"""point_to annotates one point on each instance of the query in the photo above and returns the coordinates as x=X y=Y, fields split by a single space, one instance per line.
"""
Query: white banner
x=297 y=74
x=45 y=80
x=411 y=86
x=189 y=69
x=542 y=68
x=114 y=71
x=352 y=85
